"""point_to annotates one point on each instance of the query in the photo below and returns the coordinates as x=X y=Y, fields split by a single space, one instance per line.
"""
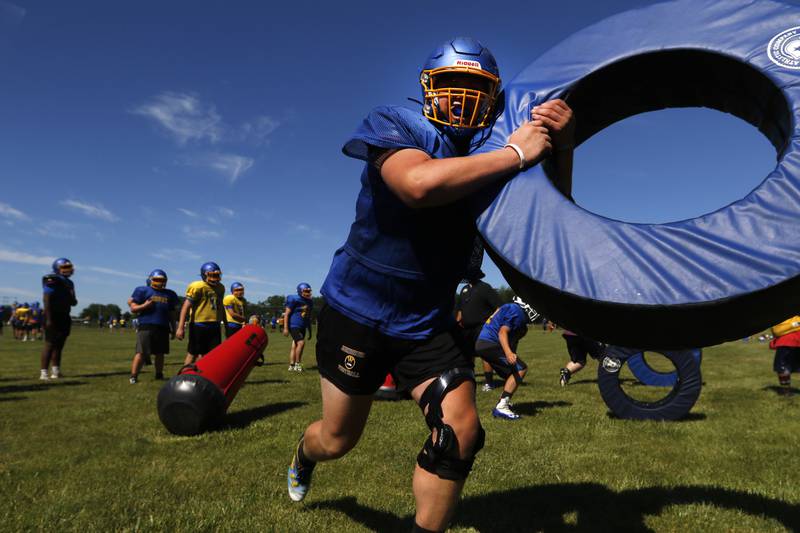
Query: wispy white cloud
x=188 y=213
x=231 y=166
x=184 y=117
x=175 y=254
x=112 y=272
x=11 y=14
x=14 y=291
x=298 y=227
x=12 y=256
x=250 y=279
x=226 y=212
x=57 y=229
x=91 y=210
x=259 y=129
x=199 y=234
x=8 y=212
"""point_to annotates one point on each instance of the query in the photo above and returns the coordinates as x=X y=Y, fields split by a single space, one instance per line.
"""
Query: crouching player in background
x=155 y=305
x=59 y=298
x=497 y=345
x=234 y=309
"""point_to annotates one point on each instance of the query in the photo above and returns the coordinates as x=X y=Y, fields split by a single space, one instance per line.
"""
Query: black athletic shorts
x=787 y=360
x=494 y=355
x=579 y=347
x=230 y=329
x=152 y=339
x=356 y=358
x=297 y=334
x=203 y=339
x=59 y=330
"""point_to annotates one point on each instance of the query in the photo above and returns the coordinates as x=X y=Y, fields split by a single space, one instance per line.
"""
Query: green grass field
x=88 y=453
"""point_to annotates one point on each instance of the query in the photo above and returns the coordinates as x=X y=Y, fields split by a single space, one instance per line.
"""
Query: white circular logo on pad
x=784 y=48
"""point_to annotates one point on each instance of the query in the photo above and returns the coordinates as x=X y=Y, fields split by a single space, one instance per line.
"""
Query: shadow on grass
x=531 y=408
x=782 y=391
x=577 y=507
x=12 y=398
x=39 y=386
x=20 y=378
x=262 y=381
x=104 y=374
x=690 y=417
x=242 y=419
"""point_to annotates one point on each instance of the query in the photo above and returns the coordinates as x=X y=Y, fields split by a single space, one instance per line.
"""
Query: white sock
x=44 y=372
x=56 y=371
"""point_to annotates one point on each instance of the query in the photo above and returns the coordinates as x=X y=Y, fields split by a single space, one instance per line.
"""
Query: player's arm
x=139 y=307
x=557 y=117
x=286 y=313
x=48 y=313
x=502 y=336
x=187 y=305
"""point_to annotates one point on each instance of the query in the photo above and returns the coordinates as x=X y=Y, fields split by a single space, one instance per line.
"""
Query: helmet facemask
x=158 y=282
x=66 y=269
x=460 y=97
x=212 y=277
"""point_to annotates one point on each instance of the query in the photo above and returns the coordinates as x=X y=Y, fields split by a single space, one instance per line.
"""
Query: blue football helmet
x=236 y=286
x=211 y=272
x=460 y=84
x=26 y=305
x=157 y=279
x=303 y=287
x=63 y=266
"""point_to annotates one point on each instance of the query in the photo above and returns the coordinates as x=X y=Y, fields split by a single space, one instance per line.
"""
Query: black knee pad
x=440 y=457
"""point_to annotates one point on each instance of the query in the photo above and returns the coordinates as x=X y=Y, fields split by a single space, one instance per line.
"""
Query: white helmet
x=530 y=311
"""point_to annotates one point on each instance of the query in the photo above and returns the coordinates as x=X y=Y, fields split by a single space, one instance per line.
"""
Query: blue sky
x=145 y=135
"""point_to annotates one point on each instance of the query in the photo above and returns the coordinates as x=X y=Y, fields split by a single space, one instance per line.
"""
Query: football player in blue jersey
x=390 y=289
x=497 y=345
x=297 y=320
x=155 y=306
x=59 y=298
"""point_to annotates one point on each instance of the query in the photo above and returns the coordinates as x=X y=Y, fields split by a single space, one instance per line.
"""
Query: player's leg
x=577 y=358
x=441 y=472
x=298 y=354
x=136 y=367
x=159 y=360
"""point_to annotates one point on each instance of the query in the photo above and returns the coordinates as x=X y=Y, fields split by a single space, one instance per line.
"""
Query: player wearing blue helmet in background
x=59 y=298
x=497 y=345
x=234 y=309
x=297 y=319
x=390 y=289
x=155 y=306
x=204 y=311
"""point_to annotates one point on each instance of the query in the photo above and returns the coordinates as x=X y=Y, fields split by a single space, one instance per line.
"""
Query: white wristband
x=522 y=161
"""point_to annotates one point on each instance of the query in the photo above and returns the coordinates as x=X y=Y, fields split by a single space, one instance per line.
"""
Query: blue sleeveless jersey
x=399 y=269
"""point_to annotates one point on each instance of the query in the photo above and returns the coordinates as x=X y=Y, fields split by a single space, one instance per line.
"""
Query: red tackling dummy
x=199 y=395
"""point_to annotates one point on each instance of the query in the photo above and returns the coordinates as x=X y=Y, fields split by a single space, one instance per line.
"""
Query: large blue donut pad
x=697 y=282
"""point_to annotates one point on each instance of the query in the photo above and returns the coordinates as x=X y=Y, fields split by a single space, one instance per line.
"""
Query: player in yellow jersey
x=21 y=314
x=234 y=309
x=204 y=300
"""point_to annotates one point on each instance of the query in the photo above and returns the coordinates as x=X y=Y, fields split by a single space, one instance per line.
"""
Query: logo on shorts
x=611 y=364
x=784 y=49
x=349 y=361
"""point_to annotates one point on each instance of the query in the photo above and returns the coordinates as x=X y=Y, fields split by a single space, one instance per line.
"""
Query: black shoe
x=159 y=377
x=564 y=378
